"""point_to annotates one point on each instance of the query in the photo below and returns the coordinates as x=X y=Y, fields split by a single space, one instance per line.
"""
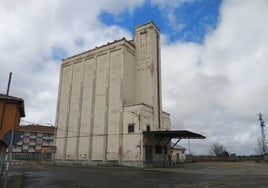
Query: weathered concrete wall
x=63 y=111
x=100 y=113
x=87 y=110
x=178 y=155
x=148 y=74
x=141 y=116
x=90 y=104
x=132 y=142
x=76 y=87
x=115 y=107
x=129 y=81
x=104 y=90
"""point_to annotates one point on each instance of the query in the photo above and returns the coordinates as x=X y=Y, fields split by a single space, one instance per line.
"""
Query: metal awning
x=180 y=134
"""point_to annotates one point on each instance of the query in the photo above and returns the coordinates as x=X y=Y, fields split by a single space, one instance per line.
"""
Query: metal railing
x=34 y=157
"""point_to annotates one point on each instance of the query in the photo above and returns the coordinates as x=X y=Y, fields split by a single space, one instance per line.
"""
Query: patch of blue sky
x=79 y=42
x=189 y=21
x=140 y=15
x=58 y=54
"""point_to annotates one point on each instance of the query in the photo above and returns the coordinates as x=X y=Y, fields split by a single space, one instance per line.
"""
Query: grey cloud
x=29 y=34
x=221 y=86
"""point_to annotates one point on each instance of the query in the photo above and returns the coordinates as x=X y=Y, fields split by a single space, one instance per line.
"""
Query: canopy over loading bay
x=179 y=134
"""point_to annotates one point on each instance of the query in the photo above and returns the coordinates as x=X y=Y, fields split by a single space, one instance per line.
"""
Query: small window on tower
x=131 y=128
x=148 y=128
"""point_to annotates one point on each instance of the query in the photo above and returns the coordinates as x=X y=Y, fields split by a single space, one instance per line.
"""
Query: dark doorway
x=148 y=153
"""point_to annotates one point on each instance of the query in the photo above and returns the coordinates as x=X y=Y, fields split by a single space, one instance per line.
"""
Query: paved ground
x=14 y=180
x=222 y=174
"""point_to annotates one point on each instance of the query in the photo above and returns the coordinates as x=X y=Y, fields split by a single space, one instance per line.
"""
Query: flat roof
x=148 y=23
x=179 y=147
x=19 y=101
x=181 y=134
x=37 y=128
x=102 y=46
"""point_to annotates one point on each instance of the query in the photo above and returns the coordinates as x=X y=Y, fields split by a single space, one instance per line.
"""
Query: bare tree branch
x=217 y=150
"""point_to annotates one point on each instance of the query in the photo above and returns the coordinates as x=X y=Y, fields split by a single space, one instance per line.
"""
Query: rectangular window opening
x=131 y=128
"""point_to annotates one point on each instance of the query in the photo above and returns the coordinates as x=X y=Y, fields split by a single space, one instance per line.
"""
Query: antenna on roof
x=9 y=81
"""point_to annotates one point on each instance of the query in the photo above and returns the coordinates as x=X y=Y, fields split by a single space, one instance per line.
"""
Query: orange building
x=11 y=110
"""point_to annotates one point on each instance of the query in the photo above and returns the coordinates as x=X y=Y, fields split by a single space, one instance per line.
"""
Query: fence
x=206 y=158
x=33 y=157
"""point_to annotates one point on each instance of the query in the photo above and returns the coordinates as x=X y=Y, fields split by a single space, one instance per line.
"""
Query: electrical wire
x=57 y=128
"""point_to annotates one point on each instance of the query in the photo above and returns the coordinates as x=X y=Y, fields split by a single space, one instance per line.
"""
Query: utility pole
x=189 y=146
x=8 y=85
x=139 y=126
x=10 y=146
x=264 y=143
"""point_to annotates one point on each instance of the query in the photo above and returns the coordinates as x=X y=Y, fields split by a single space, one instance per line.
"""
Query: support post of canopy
x=175 y=143
x=168 y=142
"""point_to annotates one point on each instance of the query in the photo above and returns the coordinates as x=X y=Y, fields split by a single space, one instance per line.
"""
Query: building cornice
x=99 y=50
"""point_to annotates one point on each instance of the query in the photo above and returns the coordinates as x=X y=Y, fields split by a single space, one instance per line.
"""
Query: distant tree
x=225 y=154
x=218 y=150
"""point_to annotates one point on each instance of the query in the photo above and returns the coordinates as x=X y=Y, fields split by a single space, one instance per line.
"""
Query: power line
x=178 y=122
x=56 y=128
x=71 y=131
x=86 y=134
x=92 y=135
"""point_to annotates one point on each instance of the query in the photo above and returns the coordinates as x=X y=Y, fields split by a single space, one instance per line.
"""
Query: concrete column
x=92 y=110
x=67 y=116
x=148 y=65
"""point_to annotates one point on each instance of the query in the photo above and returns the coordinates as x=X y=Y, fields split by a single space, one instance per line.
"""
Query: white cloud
x=32 y=31
x=222 y=85
x=168 y=9
x=215 y=89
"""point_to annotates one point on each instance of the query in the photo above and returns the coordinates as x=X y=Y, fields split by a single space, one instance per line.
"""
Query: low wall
x=30 y=156
x=205 y=158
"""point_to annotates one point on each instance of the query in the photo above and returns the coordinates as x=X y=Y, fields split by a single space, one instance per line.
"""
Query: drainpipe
x=158 y=84
x=139 y=122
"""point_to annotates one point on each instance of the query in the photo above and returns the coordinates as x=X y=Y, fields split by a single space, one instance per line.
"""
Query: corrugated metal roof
x=181 y=134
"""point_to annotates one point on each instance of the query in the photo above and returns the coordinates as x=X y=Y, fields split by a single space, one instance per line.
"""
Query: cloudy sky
x=214 y=58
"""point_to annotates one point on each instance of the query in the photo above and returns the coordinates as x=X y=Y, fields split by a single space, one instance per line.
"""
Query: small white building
x=178 y=154
x=109 y=107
